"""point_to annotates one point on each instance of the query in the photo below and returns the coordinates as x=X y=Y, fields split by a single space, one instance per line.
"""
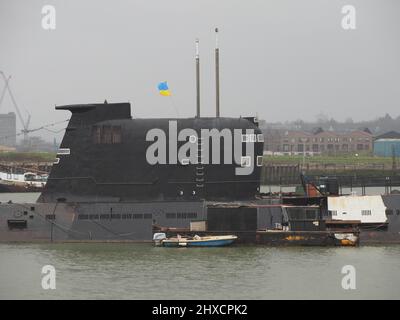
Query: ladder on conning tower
x=200 y=165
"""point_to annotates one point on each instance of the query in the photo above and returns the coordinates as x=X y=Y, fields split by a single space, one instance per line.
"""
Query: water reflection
x=127 y=271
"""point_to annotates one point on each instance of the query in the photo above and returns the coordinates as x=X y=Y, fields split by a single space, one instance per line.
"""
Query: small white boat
x=160 y=239
x=22 y=182
x=27 y=178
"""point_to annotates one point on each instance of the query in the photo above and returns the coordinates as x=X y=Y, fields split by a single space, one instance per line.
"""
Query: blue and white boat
x=196 y=241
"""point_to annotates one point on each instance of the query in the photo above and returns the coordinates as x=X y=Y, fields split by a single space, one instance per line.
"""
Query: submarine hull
x=137 y=222
x=93 y=222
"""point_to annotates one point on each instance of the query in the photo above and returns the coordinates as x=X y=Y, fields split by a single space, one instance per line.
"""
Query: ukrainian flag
x=163 y=88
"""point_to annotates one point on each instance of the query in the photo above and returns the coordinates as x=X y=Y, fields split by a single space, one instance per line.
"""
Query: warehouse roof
x=389 y=135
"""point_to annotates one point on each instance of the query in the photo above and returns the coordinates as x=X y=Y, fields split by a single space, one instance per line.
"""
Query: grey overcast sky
x=281 y=59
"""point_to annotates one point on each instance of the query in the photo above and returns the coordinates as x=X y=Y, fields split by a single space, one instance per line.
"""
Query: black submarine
x=116 y=177
x=119 y=178
x=104 y=187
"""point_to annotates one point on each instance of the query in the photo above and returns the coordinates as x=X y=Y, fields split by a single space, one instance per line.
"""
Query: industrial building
x=387 y=144
x=8 y=129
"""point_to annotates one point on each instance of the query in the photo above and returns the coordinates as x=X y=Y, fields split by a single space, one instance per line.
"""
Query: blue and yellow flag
x=163 y=88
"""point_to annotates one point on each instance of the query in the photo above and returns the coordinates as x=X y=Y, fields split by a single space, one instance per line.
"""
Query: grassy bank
x=287 y=169
x=362 y=159
x=27 y=156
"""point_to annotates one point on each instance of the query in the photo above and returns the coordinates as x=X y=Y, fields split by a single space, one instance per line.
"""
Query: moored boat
x=22 y=182
x=195 y=241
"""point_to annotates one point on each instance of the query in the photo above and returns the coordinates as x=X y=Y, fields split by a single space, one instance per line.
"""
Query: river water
x=141 y=271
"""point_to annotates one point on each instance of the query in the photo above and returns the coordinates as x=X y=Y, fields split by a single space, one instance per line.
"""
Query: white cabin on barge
x=367 y=209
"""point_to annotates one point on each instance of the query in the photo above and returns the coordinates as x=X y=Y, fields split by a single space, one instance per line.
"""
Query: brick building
x=317 y=142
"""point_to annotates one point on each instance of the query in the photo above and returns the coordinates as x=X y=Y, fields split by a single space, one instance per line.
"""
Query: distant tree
x=322 y=118
x=388 y=117
x=377 y=126
x=299 y=123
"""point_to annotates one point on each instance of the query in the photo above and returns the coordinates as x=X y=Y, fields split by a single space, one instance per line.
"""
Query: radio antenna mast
x=197 y=80
x=217 y=74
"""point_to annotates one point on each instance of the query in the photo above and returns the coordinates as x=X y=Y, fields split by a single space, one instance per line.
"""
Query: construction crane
x=25 y=124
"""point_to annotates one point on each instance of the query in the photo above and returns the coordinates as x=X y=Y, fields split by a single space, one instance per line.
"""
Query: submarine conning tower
x=106 y=156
